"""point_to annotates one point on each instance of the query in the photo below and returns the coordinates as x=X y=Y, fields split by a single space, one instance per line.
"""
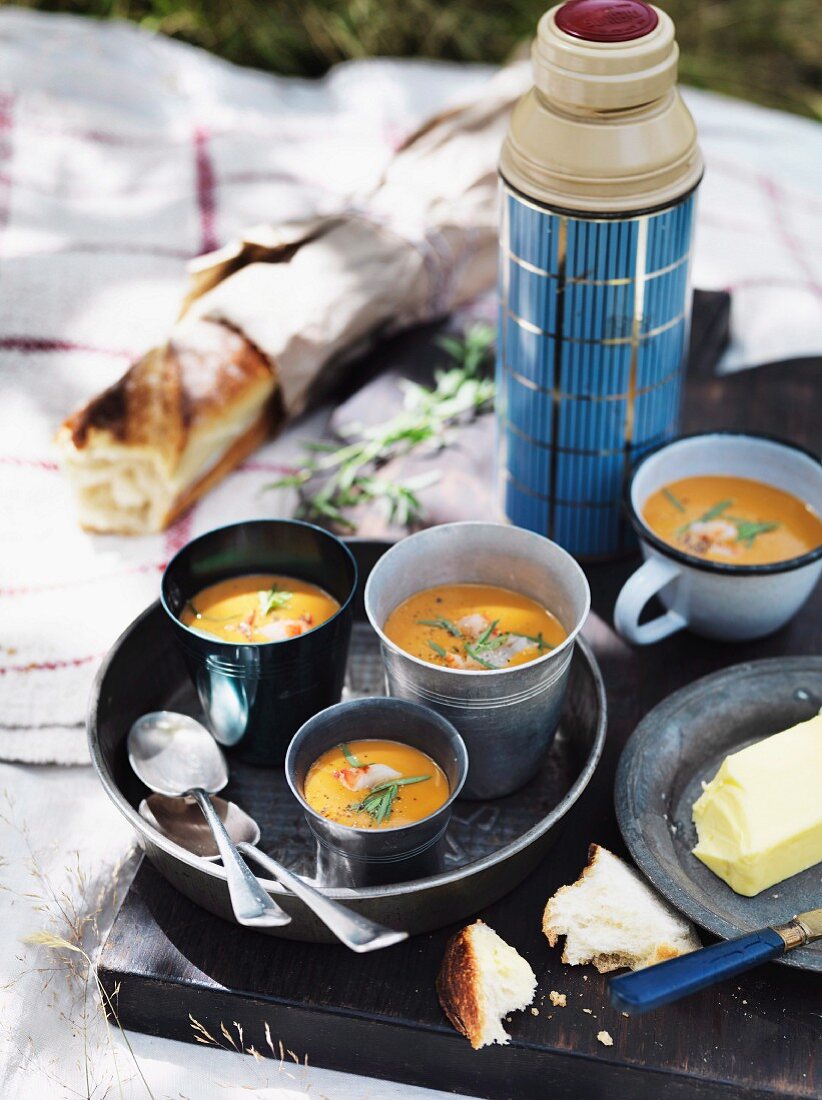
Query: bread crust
x=175 y=403
x=457 y=982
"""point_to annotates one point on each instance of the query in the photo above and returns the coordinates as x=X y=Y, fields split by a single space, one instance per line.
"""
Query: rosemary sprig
x=349 y=755
x=275 y=599
x=676 y=503
x=443 y=624
x=379 y=801
x=437 y=648
x=348 y=476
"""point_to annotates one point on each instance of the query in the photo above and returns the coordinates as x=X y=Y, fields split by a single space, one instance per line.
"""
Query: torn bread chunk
x=183 y=416
x=611 y=917
x=481 y=980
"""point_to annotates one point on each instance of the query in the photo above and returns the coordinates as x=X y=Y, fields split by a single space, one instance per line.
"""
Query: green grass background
x=767 y=51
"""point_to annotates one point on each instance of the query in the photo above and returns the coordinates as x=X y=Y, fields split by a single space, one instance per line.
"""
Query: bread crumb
x=535 y=1012
x=626 y=1015
x=744 y=1001
x=585 y=977
x=588 y=1010
x=558 y=1000
x=605 y=1038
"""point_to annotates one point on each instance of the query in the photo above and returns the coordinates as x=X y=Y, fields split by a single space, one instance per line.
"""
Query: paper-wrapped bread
x=143 y=450
x=268 y=319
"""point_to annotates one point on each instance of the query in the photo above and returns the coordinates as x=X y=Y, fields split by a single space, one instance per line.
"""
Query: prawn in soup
x=372 y=784
x=473 y=627
x=733 y=520
x=259 y=607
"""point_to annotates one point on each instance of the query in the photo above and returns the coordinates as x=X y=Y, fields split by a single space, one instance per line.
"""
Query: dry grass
x=762 y=50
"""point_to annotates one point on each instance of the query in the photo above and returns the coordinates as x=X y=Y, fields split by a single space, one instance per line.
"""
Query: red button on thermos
x=606 y=20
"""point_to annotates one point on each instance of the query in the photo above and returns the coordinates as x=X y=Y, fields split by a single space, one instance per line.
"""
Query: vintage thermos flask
x=599 y=172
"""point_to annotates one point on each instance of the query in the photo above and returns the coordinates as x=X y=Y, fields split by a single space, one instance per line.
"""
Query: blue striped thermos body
x=599 y=173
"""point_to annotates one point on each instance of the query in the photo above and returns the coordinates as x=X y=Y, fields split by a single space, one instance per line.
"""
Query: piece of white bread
x=611 y=917
x=481 y=980
x=144 y=450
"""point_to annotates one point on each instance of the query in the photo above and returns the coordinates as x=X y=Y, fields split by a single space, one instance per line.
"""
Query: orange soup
x=375 y=785
x=733 y=519
x=260 y=607
x=473 y=626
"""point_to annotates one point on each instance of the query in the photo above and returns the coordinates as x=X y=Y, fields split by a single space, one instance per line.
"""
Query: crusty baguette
x=481 y=980
x=144 y=450
x=612 y=918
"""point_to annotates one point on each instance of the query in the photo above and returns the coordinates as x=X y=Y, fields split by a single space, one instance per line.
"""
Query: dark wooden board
x=377 y=1015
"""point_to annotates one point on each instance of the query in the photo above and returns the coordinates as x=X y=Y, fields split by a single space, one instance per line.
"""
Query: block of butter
x=759 y=820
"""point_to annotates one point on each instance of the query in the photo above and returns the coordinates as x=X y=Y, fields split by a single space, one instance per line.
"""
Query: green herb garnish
x=443 y=624
x=472 y=652
x=486 y=634
x=437 y=648
x=349 y=755
x=748 y=530
x=275 y=599
x=539 y=641
x=676 y=503
x=333 y=479
x=713 y=513
x=379 y=801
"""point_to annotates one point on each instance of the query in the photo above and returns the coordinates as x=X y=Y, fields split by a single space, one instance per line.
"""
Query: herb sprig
x=354 y=761
x=275 y=599
x=348 y=476
x=443 y=624
x=680 y=507
x=746 y=530
x=379 y=802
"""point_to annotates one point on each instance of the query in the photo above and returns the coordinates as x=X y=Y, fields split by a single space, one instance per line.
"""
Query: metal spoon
x=174 y=755
x=357 y=932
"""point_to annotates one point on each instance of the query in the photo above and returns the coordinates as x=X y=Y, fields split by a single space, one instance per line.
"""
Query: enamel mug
x=719 y=600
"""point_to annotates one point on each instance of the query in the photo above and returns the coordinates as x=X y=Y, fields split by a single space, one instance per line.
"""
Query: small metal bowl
x=255 y=696
x=508 y=717
x=350 y=856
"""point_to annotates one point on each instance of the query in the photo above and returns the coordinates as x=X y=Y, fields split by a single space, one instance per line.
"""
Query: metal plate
x=680 y=744
x=492 y=846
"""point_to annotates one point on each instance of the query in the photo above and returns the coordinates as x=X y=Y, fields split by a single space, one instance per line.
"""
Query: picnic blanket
x=122 y=156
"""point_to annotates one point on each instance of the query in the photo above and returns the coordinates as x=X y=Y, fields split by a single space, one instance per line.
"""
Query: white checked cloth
x=123 y=155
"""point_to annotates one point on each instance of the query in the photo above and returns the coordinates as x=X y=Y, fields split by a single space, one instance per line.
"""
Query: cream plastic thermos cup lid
x=604 y=129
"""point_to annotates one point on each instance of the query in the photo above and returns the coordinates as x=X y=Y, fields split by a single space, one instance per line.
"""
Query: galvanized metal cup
x=507 y=717
x=349 y=856
x=256 y=696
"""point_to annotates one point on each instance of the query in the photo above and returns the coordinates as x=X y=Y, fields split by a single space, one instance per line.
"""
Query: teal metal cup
x=255 y=696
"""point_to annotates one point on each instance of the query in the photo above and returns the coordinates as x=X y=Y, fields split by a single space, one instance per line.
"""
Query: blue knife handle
x=668 y=981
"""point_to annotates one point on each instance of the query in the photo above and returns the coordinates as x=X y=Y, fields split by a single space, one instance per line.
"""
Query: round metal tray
x=492 y=845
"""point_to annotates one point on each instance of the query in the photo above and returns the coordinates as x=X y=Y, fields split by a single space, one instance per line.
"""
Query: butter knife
x=653 y=986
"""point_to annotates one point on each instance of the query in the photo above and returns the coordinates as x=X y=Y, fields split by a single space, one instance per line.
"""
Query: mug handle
x=649 y=579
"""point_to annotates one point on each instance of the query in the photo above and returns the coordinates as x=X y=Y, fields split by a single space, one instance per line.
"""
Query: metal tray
x=678 y=746
x=492 y=846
